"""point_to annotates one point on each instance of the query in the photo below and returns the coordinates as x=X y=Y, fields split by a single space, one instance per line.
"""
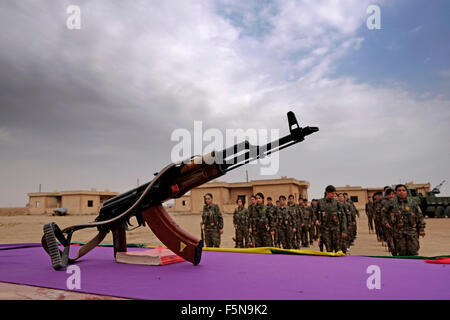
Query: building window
x=184 y=202
x=90 y=203
x=354 y=198
x=38 y=204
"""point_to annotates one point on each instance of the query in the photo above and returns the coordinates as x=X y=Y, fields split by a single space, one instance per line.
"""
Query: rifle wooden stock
x=175 y=238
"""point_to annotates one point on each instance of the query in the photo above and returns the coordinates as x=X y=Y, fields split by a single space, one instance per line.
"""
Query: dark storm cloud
x=96 y=107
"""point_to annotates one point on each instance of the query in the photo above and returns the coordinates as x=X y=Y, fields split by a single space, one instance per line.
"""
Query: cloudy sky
x=96 y=107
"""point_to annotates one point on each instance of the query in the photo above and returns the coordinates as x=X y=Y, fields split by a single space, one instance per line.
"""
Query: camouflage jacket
x=240 y=218
x=403 y=216
x=331 y=215
x=260 y=219
x=369 y=208
x=285 y=218
x=297 y=214
x=273 y=217
x=211 y=217
x=308 y=215
x=355 y=211
x=349 y=213
x=377 y=205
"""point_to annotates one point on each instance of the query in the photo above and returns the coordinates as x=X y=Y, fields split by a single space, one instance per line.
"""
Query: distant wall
x=13 y=211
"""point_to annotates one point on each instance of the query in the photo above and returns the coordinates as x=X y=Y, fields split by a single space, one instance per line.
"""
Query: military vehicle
x=432 y=205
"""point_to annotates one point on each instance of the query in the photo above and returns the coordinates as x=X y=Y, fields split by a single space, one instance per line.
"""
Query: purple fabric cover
x=235 y=276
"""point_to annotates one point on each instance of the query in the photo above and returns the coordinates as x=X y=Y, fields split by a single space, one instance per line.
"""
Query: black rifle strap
x=60 y=259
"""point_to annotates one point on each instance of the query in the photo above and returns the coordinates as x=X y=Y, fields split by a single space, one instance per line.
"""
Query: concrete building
x=76 y=202
x=225 y=194
x=360 y=195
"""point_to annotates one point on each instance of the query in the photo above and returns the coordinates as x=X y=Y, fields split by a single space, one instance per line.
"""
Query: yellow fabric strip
x=269 y=250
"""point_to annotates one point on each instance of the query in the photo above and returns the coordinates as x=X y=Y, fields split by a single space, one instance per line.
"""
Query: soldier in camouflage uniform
x=315 y=226
x=287 y=224
x=404 y=216
x=272 y=214
x=306 y=230
x=297 y=217
x=260 y=228
x=377 y=214
x=251 y=215
x=387 y=232
x=282 y=214
x=345 y=242
x=240 y=221
x=332 y=220
x=354 y=213
x=213 y=222
x=369 y=213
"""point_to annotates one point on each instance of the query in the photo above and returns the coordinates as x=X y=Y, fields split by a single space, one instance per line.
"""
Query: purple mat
x=234 y=276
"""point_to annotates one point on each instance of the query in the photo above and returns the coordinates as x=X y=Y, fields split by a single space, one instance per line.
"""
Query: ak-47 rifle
x=145 y=202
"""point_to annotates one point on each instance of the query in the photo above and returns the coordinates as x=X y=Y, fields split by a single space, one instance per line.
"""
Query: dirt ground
x=28 y=228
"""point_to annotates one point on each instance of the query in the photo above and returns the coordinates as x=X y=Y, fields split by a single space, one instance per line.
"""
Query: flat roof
x=251 y=183
x=73 y=192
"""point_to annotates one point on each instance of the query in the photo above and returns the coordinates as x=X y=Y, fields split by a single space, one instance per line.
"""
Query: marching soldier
x=354 y=213
x=287 y=225
x=240 y=221
x=306 y=225
x=212 y=221
x=345 y=242
x=260 y=228
x=377 y=214
x=297 y=216
x=406 y=221
x=389 y=196
x=272 y=214
x=332 y=220
x=251 y=217
x=315 y=226
x=369 y=213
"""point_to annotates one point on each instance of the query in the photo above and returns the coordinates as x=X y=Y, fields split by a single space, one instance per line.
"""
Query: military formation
x=286 y=224
x=397 y=220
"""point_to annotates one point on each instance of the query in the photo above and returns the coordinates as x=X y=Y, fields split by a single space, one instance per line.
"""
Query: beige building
x=76 y=202
x=360 y=195
x=225 y=194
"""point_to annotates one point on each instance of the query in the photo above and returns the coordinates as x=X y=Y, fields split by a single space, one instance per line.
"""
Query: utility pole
x=39 y=187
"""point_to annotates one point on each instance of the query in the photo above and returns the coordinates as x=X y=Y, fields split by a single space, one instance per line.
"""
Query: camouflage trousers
x=276 y=239
x=331 y=239
x=345 y=243
x=379 y=229
x=389 y=236
x=354 y=232
x=307 y=235
x=287 y=238
x=262 y=239
x=370 y=222
x=297 y=238
x=212 y=238
x=242 y=237
x=407 y=243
